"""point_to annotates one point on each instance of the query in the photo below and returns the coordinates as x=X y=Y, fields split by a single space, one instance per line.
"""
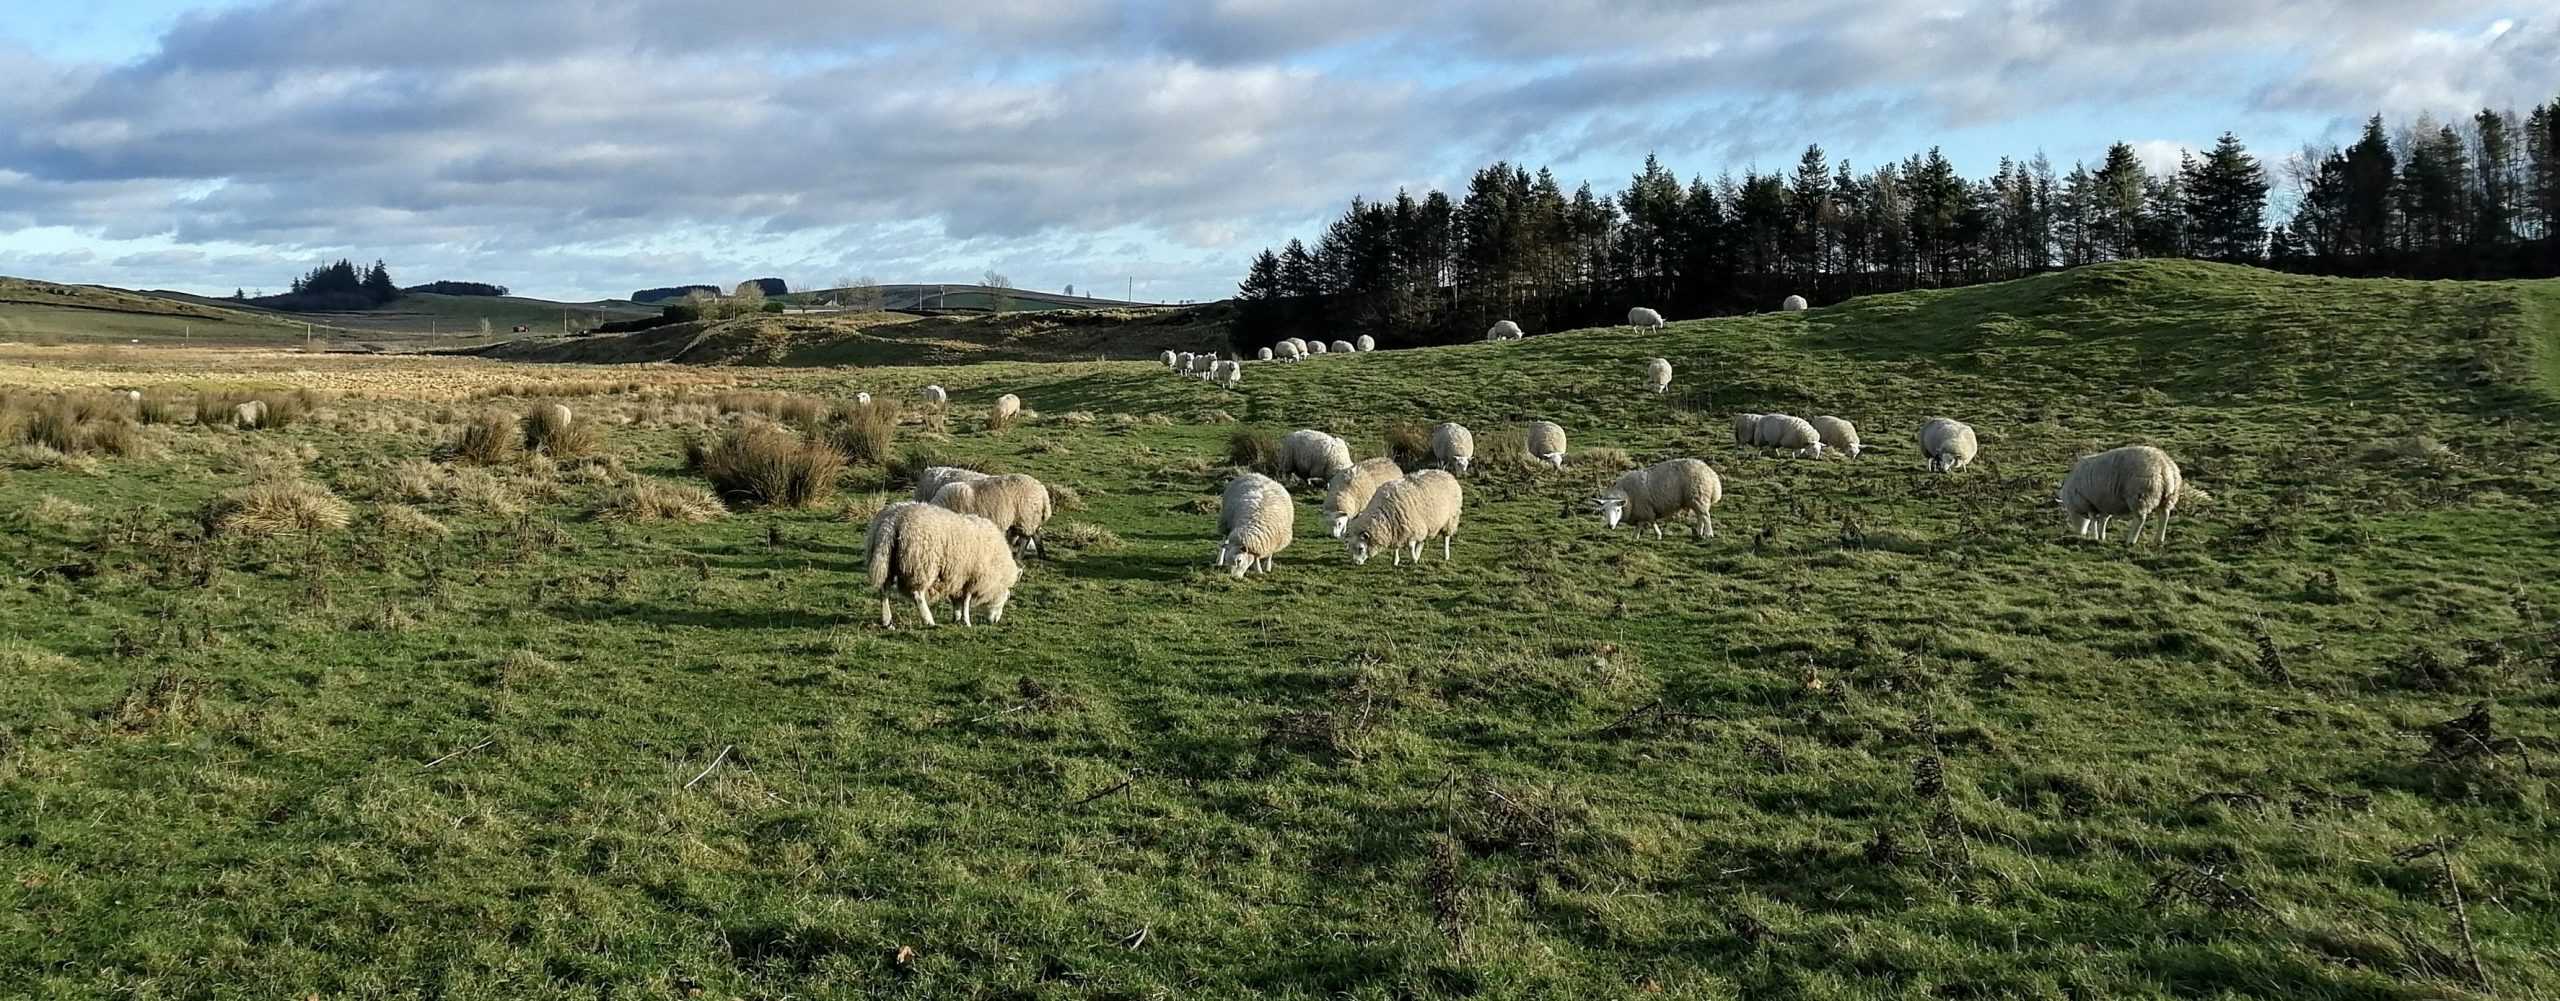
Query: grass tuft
x=768 y=466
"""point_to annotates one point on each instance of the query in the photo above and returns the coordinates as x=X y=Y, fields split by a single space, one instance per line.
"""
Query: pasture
x=506 y=729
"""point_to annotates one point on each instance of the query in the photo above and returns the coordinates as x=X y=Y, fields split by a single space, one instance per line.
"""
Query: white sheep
x=1657 y=374
x=1344 y=348
x=1746 y=430
x=1229 y=374
x=1008 y=407
x=1404 y=514
x=249 y=414
x=1785 y=433
x=1348 y=492
x=2136 y=481
x=1315 y=347
x=1792 y=304
x=1838 y=435
x=930 y=554
x=1311 y=455
x=1659 y=492
x=1364 y=343
x=1182 y=362
x=936 y=396
x=1643 y=316
x=1949 y=444
x=1546 y=442
x=1017 y=503
x=1503 y=330
x=559 y=414
x=1169 y=359
x=934 y=478
x=1454 y=446
x=135 y=395
x=1262 y=354
x=1255 y=520
x=1289 y=350
x=1300 y=343
x=862 y=399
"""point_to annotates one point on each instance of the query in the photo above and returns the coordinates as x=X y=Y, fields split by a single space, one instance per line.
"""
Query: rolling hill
x=892 y=339
x=971 y=298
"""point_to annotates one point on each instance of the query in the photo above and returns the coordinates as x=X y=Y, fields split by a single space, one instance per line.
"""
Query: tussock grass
x=866 y=433
x=769 y=466
x=556 y=431
x=1409 y=444
x=276 y=507
x=400 y=521
x=1255 y=450
x=489 y=438
x=800 y=411
x=646 y=500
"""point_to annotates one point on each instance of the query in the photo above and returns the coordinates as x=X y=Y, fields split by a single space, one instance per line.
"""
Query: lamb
x=1503 y=330
x=1348 y=493
x=1008 y=407
x=1454 y=446
x=1949 y=444
x=1315 y=347
x=1782 y=432
x=2134 y=481
x=935 y=396
x=1262 y=354
x=1657 y=374
x=931 y=554
x=1169 y=359
x=1546 y=442
x=1838 y=435
x=1404 y=514
x=1228 y=374
x=1643 y=316
x=934 y=478
x=1746 y=430
x=1016 y=503
x=1364 y=343
x=1256 y=520
x=1792 y=304
x=1312 y=455
x=1657 y=493
x=249 y=415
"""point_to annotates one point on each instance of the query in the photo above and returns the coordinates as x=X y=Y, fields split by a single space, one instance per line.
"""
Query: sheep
x=1289 y=350
x=1782 y=432
x=1838 y=435
x=1228 y=374
x=1008 y=407
x=1299 y=346
x=1364 y=344
x=1656 y=493
x=1746 y=430
x=1546 y=442
x=932 y=480
x=1312 y=455
x=1642 y=316
x=1168 y=358
x=936 y=396
x=1404 y=514
x=1016 y=503
x=862 y=399
x=1344 y=348
x=1348 y=492
x=1255 y=520
x=2134 y=481
x=1182 y=362
x=1503 y=330
x=1949 y=444
x=1657 y=374
x=1792 y=304
x=930 y=554
x=249 y=414
x=1262 y=354
x=135 y=395
x=559 y=414
x=1454 y=446
x=1315 y=347
x=1201 y=364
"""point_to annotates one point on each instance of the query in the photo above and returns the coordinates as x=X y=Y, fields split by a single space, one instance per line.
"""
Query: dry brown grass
x=551 y=429
x=658 y=500
x=276 y=507
x=58 y=513
x=805 y=412
x=71 y=423
x=489 y=438
x=765 y=464
x=400 y=521
x=866 y=432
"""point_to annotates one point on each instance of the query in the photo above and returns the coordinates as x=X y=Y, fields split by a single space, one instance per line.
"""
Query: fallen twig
x=458 y=754
x=1136 y=938
x=715 y=763
x=1114 y=787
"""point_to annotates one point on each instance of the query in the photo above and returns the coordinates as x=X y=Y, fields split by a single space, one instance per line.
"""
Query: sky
x=582 y=149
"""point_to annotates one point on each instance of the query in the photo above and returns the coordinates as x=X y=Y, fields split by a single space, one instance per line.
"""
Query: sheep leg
x=965 y=602
x=2138 y=526
x=1444 y=546
x=2164 y=528
x=995 y=609
x=924 y=609
x=886 y=620
x=1657 y=530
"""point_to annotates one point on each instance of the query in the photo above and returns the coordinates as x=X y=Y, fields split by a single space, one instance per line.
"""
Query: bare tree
x=995 y=279
x=864 y=293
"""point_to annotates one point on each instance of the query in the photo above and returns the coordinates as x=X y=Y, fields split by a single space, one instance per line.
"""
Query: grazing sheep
x=1364 y=343
x=1315 y=347
x=1503 y=330
x=1746 y=430
x=935 y=396
x=1792 y=304
x=1169 y=359
x=1949 y=444
x=1311 y=455
x=1228 y=374
x=930 y=554
x=1642 y=316
x=1016 y=503
x=1300 y=343
x=2135 y=481
x=1405 y=513
x=1255 y=520
x=1782 y=432
x=1657 y=374
x=1289 y=350
x=1344 y=348
x=1838 y=435
x=1546 y=442
x=1657 y=493
x=249 y=414
x=559 y=414
x=863 y=399
x=1182 y=362
x=1203 y=364
x=1454 y=446
x=1350 y=489
x=1262 y=354
x=1008 y=407
x=934 y=478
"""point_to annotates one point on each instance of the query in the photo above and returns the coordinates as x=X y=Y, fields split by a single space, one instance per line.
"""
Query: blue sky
x=579 y=150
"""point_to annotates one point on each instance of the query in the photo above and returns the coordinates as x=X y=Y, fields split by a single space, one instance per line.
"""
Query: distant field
x=865 y=339
x=460 y=315
x=1889 y=734
x=969 y=297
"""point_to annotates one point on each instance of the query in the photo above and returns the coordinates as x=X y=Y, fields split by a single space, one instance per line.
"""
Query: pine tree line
x=338 y=286
x=2440 y=201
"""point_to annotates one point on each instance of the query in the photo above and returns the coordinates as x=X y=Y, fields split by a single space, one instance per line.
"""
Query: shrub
x=864 y=432
x=275 y=507
x=658 y=500
x=768 y=465
x=165 y=406
x=551 y=430
x=1255 y=450
x=488 y=439
x=1409 y=444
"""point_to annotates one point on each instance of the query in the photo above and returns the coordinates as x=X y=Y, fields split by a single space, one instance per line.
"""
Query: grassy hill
x=429 y=313
x=892 y=339
x=967 y=297
x=52 y=312
x=1888 y=735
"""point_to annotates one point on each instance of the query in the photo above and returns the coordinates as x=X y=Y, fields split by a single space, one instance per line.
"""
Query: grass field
x=1889 y=735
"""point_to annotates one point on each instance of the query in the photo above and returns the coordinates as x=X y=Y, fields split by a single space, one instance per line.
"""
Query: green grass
x=1889 y=735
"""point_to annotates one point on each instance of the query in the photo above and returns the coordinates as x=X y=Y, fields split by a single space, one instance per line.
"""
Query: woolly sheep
x=863 y=399
x=1255 y=521
x=1784 y=433
x=2135 y=481
x=1016 y=503
x=1642 y=316
x=1315 y=347
x=1792 y=304
x=1454 y=446
x=932 y=480
x=1348 y=492
x=1746 y=430
x=249 y=414
x=1503 y=330
x=1299 y=343
x=1262 y=354
x=930 y=554
x=1657 y=493
x=1008 y=406
x=1364 y=343
x=1312 y=455
x=1289 y=351
x=935 y=396
x=1838 y=435
x=1546 y=442
x=1229 y=374
x=1169 y=359
x=1949 y=444
x=1182 y=362
x=1404 y=514
x=1657 y=374
x=1343 y=348
x=133 y=396
x=559 y=413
